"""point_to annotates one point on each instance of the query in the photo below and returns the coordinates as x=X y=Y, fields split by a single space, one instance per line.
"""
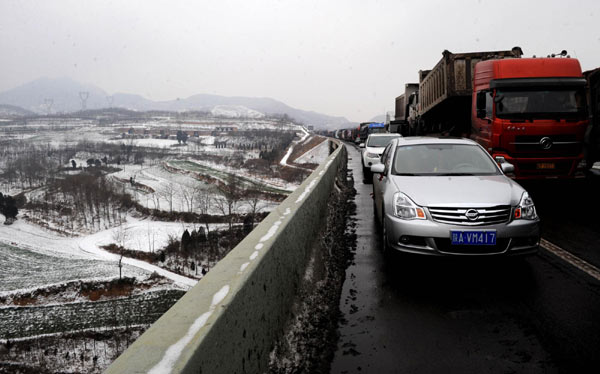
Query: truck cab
x=532 y=113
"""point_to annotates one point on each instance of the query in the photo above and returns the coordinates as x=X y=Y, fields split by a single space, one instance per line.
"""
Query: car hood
x=376 y=150
x=460 y=191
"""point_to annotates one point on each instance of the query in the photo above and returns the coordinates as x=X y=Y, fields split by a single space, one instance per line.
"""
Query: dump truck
x=530 y=112
x=400 y=121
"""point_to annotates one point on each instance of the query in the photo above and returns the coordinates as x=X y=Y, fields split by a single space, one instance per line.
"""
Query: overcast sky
x=347 y=58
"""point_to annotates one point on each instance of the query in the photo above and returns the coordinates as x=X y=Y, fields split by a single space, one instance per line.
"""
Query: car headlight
x=405 y=208
x=526 y=208
x=372 y=155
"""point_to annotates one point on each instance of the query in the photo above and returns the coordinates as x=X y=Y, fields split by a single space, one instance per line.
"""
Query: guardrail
x=229 y=321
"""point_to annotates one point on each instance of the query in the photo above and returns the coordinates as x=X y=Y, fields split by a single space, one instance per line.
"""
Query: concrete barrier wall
x=228 y=322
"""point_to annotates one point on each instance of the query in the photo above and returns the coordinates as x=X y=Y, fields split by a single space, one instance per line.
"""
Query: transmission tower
x=83 y=96
x=110 y=100
x=48 y=105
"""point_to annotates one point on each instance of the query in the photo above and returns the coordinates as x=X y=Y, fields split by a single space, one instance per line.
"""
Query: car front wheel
x=385 y=247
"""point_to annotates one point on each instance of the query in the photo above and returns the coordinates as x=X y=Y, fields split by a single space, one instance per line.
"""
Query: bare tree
x=204 y=198
x=189 y=194
x=229 y=196
x=168 y=192
x=254 y=204
x=150 y=239
x=120 y=236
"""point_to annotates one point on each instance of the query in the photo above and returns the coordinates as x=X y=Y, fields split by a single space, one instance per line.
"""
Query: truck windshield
x=442 y=160
x=563 y=103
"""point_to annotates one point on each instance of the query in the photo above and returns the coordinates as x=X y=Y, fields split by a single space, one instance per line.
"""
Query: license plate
x=473 y=237
x=545 y=165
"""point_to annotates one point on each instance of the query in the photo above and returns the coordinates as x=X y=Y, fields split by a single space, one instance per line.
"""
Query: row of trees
x=84 y=200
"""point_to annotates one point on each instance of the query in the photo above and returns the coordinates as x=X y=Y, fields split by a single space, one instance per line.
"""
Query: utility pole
x=110 y=100
x=83 y=96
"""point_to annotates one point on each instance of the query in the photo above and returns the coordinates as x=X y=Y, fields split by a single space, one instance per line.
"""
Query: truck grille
x=484 y=216
x=565 y=145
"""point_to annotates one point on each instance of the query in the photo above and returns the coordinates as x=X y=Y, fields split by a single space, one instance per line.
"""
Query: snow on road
x=283 y=161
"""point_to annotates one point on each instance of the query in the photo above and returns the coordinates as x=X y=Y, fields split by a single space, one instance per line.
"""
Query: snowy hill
x=13 y=111
x=235 y=111
x=64 y=93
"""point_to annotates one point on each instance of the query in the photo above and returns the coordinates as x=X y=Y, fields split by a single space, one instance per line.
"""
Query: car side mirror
x=361 y=145
x=507 y=167
x=377 y=168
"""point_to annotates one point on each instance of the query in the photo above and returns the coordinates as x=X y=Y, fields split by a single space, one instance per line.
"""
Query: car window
x=385 y=158
x=385 y=153
x=379 y=141
x=443 y=159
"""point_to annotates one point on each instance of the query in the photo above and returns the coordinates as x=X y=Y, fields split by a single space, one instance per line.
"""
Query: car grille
x=457 y=216
x=445 y=245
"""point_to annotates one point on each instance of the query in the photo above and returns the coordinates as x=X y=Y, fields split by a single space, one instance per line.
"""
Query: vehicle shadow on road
x=425 y=279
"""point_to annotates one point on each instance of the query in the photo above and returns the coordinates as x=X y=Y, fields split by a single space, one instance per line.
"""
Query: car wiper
x=406 y=174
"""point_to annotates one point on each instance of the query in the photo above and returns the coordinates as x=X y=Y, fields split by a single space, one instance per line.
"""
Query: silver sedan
x=449 y=197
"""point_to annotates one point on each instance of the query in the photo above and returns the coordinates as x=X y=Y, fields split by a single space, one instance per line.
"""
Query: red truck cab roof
x=525 y=68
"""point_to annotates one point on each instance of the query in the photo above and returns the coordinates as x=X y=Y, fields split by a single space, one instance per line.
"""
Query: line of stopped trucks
x=538 y=114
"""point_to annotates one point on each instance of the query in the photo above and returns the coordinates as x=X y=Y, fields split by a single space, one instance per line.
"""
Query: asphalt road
x=432 y=315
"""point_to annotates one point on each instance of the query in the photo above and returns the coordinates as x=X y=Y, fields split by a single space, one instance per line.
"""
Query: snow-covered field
x=23 y=269
x=140 y=235
x=42 y=270
x=152 y=143
x=23 y=240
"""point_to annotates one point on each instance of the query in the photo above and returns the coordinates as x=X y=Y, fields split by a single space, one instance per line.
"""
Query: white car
x=373 y=148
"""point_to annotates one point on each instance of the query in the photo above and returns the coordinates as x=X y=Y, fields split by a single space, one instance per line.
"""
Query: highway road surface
x=436 y=315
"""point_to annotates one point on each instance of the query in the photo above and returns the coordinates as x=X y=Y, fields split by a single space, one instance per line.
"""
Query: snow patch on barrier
x=271 y=232
x=173 y=352
x=306 y=190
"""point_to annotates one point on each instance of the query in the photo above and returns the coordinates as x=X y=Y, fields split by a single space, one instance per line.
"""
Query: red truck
x=530 y=112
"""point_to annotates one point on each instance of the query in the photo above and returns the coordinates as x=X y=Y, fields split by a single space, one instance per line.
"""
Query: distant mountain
x=13 y=111
x=64 y=96
x=379 y=118
x=60 y=95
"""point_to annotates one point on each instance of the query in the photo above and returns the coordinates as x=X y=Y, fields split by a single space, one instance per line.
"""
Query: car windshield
x=540 y=103
x=379 y=141
x=442 y=160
